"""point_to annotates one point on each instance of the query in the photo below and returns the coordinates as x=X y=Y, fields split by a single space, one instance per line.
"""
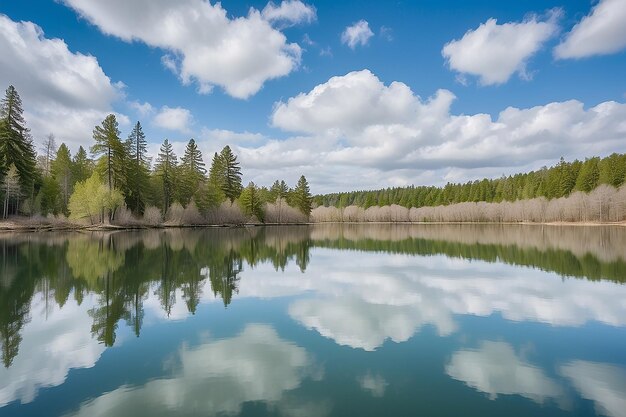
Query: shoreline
x=11 y=226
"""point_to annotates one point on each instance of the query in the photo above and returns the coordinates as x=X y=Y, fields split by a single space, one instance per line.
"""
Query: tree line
x=558 y=181
x=119 y=181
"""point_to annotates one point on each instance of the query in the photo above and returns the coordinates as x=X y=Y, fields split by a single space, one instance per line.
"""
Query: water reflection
x=65 y=298
x=377 y=300
x=256 y=365
x=604 y=384
x=495 y=369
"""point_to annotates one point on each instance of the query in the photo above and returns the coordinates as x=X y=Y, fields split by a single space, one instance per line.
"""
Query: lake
x=323 y=320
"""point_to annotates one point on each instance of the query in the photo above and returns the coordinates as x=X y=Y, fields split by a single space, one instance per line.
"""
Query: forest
x=117 y=182
x=580 y=191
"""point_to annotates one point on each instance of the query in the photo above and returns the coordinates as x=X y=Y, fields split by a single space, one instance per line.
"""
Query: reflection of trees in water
x=124 y=268
x=583 y=252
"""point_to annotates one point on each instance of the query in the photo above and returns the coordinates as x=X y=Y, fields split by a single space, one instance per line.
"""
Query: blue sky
x=353 y=94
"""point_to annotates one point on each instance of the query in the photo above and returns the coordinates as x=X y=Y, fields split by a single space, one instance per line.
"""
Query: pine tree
x=166 y=164
x=16 y=146
x=589 y=175
x=61 y=170
x=250 y=202
x=302 y=199
x=231 y=172
x=108 y=143
x=278 y=190
x=192 y=170
x=82 y=166
x=138 y=175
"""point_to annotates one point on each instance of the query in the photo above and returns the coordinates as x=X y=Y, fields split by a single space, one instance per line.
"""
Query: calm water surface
x=361 y=320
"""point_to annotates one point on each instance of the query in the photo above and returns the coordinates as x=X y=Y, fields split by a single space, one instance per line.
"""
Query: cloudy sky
x=353 y=94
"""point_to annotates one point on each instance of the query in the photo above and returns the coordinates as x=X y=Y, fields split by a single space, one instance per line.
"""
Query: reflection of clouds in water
x=49 y=349
x=357 y=323
x=604 y=384
x=374 y=384
x=256 y=365
x=494 y=368
x=380 y=296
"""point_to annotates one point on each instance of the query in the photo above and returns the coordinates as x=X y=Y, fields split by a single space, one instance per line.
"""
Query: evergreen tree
x=166 y=164
x=138 y=175
x=108 y=143
x=588 y=176
x=61 y=170
x=250 y=202
x=278 y=190
x=231 y=172
x=82 y=166
x=16 y=146
x=215 y=187
x=192 y=171
x=302 y=199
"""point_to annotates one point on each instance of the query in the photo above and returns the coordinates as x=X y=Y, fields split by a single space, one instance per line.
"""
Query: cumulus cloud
x=601 y=383
x=494 y=368
x=357 y=34
x=356 y=131
x=215 y=378
x=600 y=33
x=63 y=92
x=495 y=52
x=174 y=118
x=289 y=13
x=204 y=45
x=143 y=109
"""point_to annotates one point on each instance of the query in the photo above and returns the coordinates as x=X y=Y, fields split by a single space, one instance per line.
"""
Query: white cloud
x=600 y=382
x=143 y=109
x=494 y=368
x=215 y=378
x=63 y=92
x=357 y=34
x=55 y=341
x=347 y=104
x=289 y=13
x=204 y=45
x=360 y=133
x=495 y=52
x=600 y=33
x=174 y=118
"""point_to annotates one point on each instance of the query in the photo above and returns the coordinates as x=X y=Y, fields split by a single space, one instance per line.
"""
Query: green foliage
x=114 y=153
x=16 y=147
x=192 y=173
x=230 y=174
x=94 y=201
x=49 y=200
x=555 y=182
x=138 y=170
x=301 y=196
x=166 y=167
x=82 y=166
x=251 y=203
x=278 y=190
x=61 y=170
